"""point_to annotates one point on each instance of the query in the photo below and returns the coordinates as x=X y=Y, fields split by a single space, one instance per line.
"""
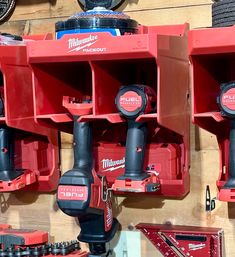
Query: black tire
x=223 y=13
x=6 y=9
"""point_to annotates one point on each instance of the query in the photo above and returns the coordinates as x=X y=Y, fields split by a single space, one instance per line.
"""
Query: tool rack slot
x=212 y=55
x=209 y=71
x=36 y=147
x=53 y=81
x=110 y=75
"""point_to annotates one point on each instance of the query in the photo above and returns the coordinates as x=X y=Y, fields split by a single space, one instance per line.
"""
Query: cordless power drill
x=226 y=102
x=133 y=101
x=80 y=194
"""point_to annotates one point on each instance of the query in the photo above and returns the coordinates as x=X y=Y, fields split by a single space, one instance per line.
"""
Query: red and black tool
x=226 y=102
x=34 y=243
x=133 y=101
x=80 y=194
x=185 y=241
x=7 y=145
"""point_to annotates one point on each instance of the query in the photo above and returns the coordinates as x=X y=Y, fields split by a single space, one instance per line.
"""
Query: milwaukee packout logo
x=110 y=165
x=76 y=44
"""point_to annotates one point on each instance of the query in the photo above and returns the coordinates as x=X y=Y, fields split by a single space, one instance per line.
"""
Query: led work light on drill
x=226 y=102
x=80 y=194
x=132 y=101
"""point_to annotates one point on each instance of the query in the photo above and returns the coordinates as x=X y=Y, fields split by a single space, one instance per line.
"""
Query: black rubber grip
x=135 y=150
x=231 y=181
x=232 y=149
x=7 y=169
x=82 y=135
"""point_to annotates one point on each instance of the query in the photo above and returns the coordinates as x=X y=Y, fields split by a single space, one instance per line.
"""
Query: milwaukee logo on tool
x=112 y=165
x=78 y=193
x=108 y=215
x=76 y=44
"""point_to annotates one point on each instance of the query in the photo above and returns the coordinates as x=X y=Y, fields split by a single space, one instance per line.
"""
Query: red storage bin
x=36 y=147
x=94 y=66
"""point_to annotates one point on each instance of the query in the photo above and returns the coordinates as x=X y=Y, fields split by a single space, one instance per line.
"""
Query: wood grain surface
x=39 y=211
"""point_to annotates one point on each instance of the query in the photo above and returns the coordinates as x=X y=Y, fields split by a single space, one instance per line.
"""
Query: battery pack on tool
x=22 y=237
x=34 y=243
x=163 y=158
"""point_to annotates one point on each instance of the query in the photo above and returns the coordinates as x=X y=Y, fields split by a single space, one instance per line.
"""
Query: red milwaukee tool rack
x=174 y=241
x=36 y=147
x=94 y=66
x=4 y=226
x=212 y=52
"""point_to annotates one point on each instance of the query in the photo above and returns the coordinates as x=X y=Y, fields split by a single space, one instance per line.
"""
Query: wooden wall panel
x=41 y=9
x=40 y=211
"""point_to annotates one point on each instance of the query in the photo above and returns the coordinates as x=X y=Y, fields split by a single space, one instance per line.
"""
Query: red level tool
x=185 y=241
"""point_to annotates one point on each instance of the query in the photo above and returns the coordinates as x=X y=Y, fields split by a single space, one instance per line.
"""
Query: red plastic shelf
x=212 y=52
x=36 y=147
x=95 y=65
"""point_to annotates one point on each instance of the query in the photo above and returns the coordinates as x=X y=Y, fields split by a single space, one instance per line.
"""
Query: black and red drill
x=133 y=101
x=80 y=194
x=226 y=102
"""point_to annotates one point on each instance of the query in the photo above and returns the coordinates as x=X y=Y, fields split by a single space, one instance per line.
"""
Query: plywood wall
x=39 y=210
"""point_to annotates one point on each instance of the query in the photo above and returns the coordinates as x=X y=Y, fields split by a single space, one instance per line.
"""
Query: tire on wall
x=223 y=13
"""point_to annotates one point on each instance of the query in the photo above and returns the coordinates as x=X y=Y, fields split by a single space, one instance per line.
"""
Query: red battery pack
x=162 y=158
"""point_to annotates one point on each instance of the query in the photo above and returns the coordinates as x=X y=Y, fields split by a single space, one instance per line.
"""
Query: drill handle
x=135 y=149
x=232 y=149
x=82 y=145
x=6 y=149
x=7 y=171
